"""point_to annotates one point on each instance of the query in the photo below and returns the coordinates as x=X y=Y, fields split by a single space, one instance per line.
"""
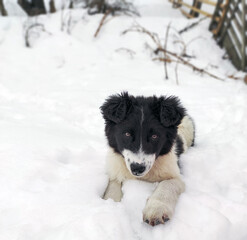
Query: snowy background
x=52 y=144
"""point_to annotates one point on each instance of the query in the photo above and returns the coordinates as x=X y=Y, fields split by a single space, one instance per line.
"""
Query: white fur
x=186 y=132
x=163 y=200
x=113 y=191
x=164 y=170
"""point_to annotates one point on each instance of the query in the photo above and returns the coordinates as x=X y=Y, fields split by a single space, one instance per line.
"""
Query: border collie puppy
x=146 y=135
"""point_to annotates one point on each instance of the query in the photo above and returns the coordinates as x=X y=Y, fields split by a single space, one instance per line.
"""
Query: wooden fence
x=228 y=24
x=230 y=31
x=193 y=8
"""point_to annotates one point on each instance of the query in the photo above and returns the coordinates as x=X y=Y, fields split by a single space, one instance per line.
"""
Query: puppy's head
x=141 y=129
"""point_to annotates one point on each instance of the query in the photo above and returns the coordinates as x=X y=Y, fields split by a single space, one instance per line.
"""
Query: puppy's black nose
x=137 y=168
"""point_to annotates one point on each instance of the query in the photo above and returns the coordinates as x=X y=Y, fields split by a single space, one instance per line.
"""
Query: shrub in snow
x=33 y=7
x=114 y=6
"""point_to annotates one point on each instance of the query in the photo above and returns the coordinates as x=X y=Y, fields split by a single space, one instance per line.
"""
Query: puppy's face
x=140 y=139
x=141 y=129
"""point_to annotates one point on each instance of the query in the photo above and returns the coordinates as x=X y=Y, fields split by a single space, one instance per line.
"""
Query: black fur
x=194 y=133
x=179 y=146
x=116 y=108
x=171 y=111
x=179 y=149
x=123 y=113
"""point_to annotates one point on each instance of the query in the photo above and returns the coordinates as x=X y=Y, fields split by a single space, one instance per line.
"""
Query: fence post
x=244 y=31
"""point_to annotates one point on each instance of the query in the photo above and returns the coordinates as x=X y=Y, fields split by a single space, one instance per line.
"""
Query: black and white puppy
x=146 y=135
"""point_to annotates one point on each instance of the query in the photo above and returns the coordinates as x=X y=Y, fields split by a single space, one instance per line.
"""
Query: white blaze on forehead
x=140 y=157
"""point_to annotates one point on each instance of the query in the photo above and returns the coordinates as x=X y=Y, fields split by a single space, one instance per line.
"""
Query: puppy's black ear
x=116 y=107
x=171 y=111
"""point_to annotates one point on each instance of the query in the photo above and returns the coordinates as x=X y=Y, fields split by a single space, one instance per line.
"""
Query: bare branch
x=102 y=22
x=138 y=28
x=163 y=60
x=165 y=47
x=176 y=73
x=185 y=62
x=155 y=38
x=192 y=25
x=232 y=76
x=67 y=21
x=131 y=52
x=29 y=31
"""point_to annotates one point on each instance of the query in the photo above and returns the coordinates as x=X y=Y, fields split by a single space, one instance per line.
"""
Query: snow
x=52 y=144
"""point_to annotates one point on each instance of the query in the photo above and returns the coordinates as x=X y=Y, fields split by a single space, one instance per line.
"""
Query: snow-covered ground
x=52 y=144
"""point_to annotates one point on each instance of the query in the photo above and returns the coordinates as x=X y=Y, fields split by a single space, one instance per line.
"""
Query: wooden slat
x=231 y=30
x=244 y=30
x=239 y=15
x=214 y=25
x=237 y=24
x=196 y=4
x=208 y=2
x=236 y=39
x=234 y=57
x=223 y=5
x=239 y=12
x=186 y=13
x=228 y=21
x=196 y=9
x=217 y=19
x=222 y=18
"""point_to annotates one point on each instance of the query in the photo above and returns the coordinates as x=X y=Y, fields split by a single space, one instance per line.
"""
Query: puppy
x=146 y=135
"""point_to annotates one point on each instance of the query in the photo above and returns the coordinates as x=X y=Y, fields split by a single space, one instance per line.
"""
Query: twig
x=187 y=56
x=185 y=45
x=191 y=25
x=27 y=33
x=131 y=52
x=102 y=22
x=176 y=73
x=195 y=68
x=69 y=23
x=163 y=60
x=232 y=76
x=155 y=38
x=165 y=47
x=183 y=54
x=139 y=28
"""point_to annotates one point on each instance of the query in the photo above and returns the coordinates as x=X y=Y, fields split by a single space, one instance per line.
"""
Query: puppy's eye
x=154 y=136
x=127 y=134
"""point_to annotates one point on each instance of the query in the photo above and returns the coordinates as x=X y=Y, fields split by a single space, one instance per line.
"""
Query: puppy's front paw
x=115 y=196
x=156 y=212
x=113 y=191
